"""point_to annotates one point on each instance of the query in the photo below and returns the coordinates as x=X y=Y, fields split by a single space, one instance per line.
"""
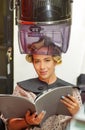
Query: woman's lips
x=43 y=72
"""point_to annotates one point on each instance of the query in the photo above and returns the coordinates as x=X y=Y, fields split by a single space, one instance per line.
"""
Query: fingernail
x=36 y=113
x=44 y=111
x=62 y=97
x=68 y=95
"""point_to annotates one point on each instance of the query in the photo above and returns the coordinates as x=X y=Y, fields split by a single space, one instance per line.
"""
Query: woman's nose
x=42 y=65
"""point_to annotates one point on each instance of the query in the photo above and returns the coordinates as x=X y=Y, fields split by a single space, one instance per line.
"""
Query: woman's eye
x=47 y=60
x=36 y=61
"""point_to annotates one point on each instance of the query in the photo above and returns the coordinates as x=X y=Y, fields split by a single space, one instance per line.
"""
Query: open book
x=14 y=106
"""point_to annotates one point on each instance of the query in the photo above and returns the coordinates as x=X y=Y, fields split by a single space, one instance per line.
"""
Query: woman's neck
x=50 y=80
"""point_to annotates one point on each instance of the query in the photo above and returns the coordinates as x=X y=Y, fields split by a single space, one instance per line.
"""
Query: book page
x=50 y=101
x=14 y=106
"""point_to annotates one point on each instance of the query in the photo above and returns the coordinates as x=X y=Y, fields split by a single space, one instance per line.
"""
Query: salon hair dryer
x=38 y=18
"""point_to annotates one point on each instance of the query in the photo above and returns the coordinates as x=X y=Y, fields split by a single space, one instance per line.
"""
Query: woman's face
x=45 y=67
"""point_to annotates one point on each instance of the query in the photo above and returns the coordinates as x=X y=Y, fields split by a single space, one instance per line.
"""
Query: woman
x=45 y=56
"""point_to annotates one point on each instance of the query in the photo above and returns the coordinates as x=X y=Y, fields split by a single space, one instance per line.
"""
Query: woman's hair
x=57 y=59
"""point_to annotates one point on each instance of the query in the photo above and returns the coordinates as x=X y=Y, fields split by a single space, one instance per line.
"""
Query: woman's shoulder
x=28 y=81
x=62 y=82
x=33 y=85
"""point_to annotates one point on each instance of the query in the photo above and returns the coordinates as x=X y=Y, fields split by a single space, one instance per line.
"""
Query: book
x=13 y=106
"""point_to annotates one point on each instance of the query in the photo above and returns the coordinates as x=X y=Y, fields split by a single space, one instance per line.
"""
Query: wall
x=73 y=60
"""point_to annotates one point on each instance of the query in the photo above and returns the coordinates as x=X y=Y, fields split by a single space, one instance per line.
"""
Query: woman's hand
x=34 y=119
x=22 y=123
x=71 y=103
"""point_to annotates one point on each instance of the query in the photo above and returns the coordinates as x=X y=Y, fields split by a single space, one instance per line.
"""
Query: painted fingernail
x=68 y=95
x=36 y=113
x=44 y=111
x=62 y=97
